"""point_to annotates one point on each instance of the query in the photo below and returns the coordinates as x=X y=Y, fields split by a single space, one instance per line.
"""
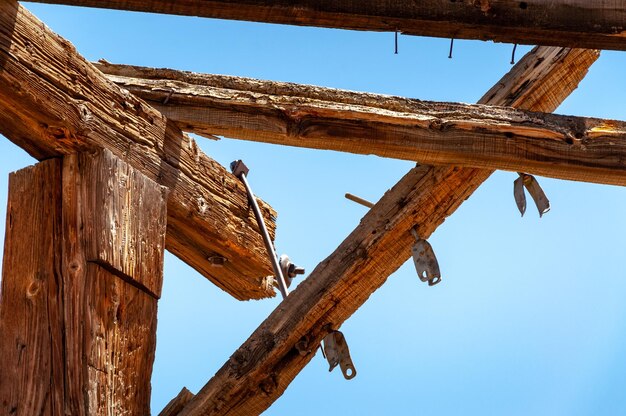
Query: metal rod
x=396 y=42
x=513 y=54
x=358 y=200
x=266 y=237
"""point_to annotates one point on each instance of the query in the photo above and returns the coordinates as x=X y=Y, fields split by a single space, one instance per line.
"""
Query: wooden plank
x=30 y=300
x=477 y=136
x=79 y=334
x=262 y=368
x=599 y=24
x=53 y=102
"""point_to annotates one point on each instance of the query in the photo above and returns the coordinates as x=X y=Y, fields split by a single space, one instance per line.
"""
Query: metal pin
x=396 y=42
x=451 y=46
x=358 y=200
x=513 y=54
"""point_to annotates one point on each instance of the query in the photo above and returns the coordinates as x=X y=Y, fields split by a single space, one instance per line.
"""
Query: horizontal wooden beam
x=573 y=23
x=477 y=136
x=262 y=368
x=54 y=102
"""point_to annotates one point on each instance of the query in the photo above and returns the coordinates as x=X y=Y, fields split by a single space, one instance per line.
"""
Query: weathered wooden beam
x=176 y=405
x=477 y=136
x=573 y=23
x=262 y=368
x=82 y=272
x=54 y=102
x=28 y=285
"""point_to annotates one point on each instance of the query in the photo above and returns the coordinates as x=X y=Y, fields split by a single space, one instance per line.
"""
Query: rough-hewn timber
x=599 y=24
x=176 y=405
x=30 y=298
x=54 y=102
x=477 y=136
x=262 y=368
x=78 y=320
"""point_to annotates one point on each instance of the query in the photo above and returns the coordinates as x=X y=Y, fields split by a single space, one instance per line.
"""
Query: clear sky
x=531 y=315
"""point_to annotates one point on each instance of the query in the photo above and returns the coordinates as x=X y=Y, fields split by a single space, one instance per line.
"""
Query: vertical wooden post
x=82 y=273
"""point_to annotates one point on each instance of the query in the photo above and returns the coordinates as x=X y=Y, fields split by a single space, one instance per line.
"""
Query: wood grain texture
x=126 y=216
x=262 y=368
x=79 y=334
x=31 y=379
x=598 y=24
x=120 y=345
x=477 y=136
x=174 y=407
x=53 y=102
x=109 y=315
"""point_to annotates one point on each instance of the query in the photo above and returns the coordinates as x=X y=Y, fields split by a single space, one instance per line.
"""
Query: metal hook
x=513 y=54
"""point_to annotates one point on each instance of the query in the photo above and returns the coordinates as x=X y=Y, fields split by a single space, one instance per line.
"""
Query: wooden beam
x=176 y=405
x=477 y=136
x=28 y=285
x=262 y=368
x=54 y=102
x=573 y=23
x=82 y=271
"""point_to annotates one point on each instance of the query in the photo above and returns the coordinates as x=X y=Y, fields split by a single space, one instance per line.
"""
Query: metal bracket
x=337 y=352
x=534 y=189
x=426 y=263
x=238 y=167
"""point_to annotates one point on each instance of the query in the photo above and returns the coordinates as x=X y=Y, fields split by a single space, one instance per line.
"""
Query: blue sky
x=530 y=317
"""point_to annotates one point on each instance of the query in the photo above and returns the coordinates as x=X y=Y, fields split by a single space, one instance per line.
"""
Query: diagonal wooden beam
x=573 y=23
x=176 y=405
x=54 y=102
x=262 y=368
x=478 y=136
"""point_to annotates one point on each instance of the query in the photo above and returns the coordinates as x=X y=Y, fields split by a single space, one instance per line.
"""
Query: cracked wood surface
x=82 y=270
x=262 y=368
x=477 y=136
x=54 y=102
x=598 y=24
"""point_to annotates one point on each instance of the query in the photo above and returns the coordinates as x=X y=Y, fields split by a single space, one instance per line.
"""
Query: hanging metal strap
x=534 y=189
